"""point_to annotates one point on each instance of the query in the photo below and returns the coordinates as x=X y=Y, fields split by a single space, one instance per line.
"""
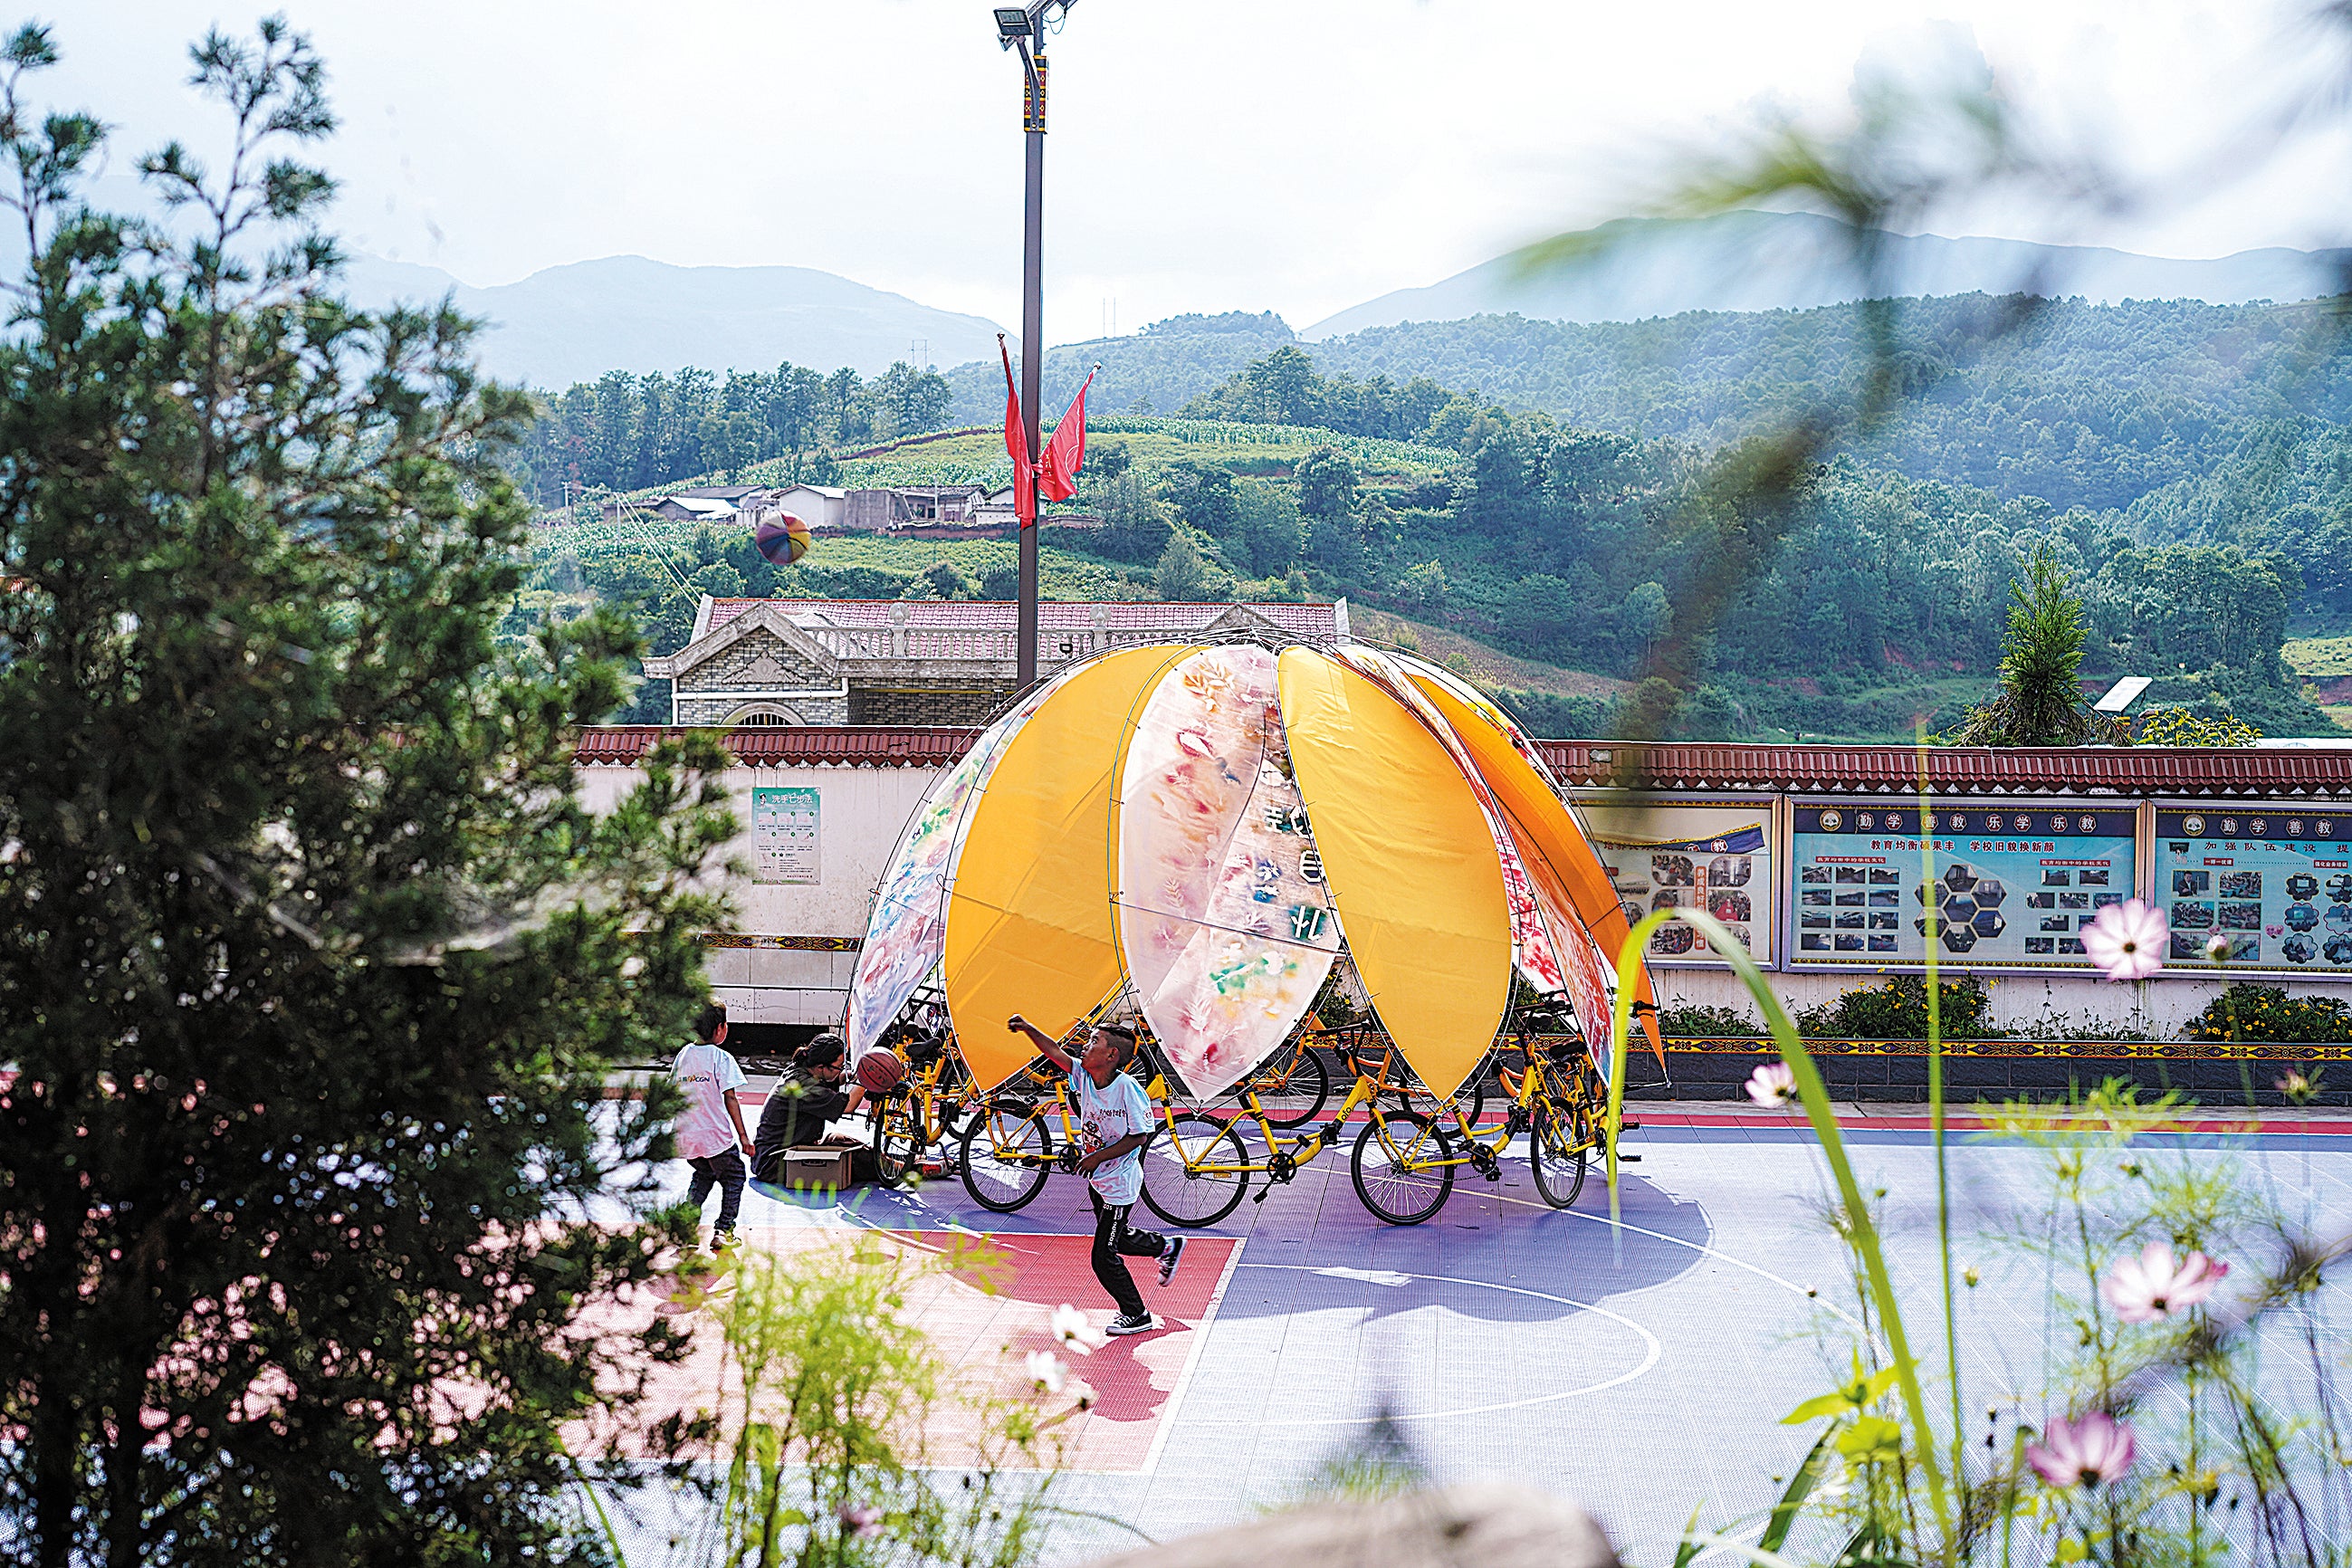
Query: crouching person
x=803 y=1100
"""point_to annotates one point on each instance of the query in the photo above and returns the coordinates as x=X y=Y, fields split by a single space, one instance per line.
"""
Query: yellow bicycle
x=1555 y=1099
x=1009 y=1144
x=1196 y=1169
x=925 y=1112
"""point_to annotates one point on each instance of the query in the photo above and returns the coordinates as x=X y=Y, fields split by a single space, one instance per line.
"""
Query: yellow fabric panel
x=1030 y=926
x=1410 y=862
x=1541 y=823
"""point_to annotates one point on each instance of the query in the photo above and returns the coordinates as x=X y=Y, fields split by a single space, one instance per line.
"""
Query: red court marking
x=985 y=1326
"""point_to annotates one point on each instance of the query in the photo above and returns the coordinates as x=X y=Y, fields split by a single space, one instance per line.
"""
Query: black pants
x=1114 y=1241
x=724 y=1171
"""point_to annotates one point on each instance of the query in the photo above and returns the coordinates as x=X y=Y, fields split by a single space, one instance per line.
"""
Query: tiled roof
x=1826 y=770
x=1956 y=769
x=942 y=615
x=2137 y=771
x=792 y=745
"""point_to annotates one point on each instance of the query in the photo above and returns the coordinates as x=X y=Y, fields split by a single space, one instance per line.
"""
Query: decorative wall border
x=2055 y=1050
x=785 y=944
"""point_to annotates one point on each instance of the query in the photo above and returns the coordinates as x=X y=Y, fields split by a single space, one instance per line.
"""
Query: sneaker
x=1136 y=1323
x=1169 y=1257
x=724 y=1241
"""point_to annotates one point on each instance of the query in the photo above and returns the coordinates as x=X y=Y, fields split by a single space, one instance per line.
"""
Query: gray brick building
x=897 y=662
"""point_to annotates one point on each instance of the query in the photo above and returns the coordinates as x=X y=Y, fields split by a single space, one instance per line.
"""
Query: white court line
x=1175 y=1404
x=1648 y=1361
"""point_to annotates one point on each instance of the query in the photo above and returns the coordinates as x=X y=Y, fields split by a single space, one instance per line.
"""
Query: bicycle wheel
x=896 y=1139
x=1194 y=1171
x=1403 y=1167
x=1301 y=1074
x=1557 y=1141
x=1004 y=1153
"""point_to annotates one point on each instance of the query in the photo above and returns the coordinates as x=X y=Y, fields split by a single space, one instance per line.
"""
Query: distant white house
x=819 y=506
x=691 y=509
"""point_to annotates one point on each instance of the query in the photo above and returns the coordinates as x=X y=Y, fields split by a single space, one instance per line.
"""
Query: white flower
x=2127 y=940
x=2154 y=1285
x=1072 y=1330
x=2216 y=947
x=1774 y=1083
x=1045 y=1370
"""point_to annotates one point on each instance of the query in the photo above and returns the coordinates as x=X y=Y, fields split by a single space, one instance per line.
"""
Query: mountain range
x=624 y=313
x=1780 y=261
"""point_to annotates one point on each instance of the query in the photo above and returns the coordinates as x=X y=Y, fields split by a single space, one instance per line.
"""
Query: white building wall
x=863 y=811
x=861 y=814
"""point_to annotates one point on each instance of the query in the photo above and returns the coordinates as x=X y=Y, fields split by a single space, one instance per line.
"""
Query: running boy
x=710 y=1130
x=1114 y=1124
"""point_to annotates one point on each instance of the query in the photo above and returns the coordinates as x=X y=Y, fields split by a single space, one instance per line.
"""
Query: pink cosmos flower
x=2127 y=940
x=2090 y=1451
x=1774 y=1083
x=2154 y=1285
x=860 y=1519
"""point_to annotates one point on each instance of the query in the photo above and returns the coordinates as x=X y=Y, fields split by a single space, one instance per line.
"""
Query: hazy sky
x=1268 y=154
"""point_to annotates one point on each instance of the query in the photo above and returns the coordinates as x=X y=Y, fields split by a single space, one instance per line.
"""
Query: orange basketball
x=879 y=1072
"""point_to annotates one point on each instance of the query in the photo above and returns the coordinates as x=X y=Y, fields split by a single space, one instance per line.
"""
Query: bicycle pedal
x=1259 y=1196
x=1628 y=1159
x=1629 y=1124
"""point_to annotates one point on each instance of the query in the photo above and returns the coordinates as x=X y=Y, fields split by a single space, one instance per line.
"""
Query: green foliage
x=313 y=963
x=2183 y=727
x=1691 y=1021
x=1184 y=574
x=2246 y=1012
x=824 y=1453
x=2040 y=699
x=623 y=433
x=1897 y=1010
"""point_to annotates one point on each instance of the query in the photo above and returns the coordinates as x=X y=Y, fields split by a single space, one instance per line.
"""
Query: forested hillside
x=624 y=432
x=2185 y=460
x=2082 y=405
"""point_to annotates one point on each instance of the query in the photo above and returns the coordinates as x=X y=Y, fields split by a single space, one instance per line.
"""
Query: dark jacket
x=796 y=1112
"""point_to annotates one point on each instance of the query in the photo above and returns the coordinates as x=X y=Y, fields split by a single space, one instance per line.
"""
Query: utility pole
x=1024 y=28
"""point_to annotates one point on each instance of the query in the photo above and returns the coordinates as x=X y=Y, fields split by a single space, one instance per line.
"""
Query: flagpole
x=1033 y=331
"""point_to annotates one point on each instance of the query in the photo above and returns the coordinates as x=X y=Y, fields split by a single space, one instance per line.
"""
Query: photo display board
x=1715 y=855
x=2277 y=884
x=2016 y=881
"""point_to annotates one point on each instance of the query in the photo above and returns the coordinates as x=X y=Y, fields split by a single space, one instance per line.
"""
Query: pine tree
x=2039 y=702
x=312 y=963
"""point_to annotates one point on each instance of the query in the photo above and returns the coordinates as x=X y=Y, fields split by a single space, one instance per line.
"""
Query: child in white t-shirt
x=1114 y=1124
x=710 y=1133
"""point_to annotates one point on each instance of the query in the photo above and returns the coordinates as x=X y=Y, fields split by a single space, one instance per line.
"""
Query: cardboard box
x=824 y=1170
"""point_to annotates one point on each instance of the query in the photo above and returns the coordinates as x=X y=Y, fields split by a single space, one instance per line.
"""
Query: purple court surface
x=1638 y=1366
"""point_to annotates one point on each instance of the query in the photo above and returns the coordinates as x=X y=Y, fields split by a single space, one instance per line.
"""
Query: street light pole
x=1032 y=334
x=1021 y=29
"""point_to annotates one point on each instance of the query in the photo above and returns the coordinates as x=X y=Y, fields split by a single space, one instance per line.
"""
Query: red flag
x=1016 y=447
x=1065 y=454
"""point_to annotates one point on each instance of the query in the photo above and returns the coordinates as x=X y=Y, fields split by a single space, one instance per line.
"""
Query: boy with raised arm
x=1114 y=1124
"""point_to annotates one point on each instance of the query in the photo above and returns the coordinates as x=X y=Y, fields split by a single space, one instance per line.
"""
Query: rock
x=1480 y=1524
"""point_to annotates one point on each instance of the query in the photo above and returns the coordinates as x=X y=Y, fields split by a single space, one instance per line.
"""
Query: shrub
x=2181 y=727
x=2268 y=1013
x=1898 y=1011
x=1692 y=1022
